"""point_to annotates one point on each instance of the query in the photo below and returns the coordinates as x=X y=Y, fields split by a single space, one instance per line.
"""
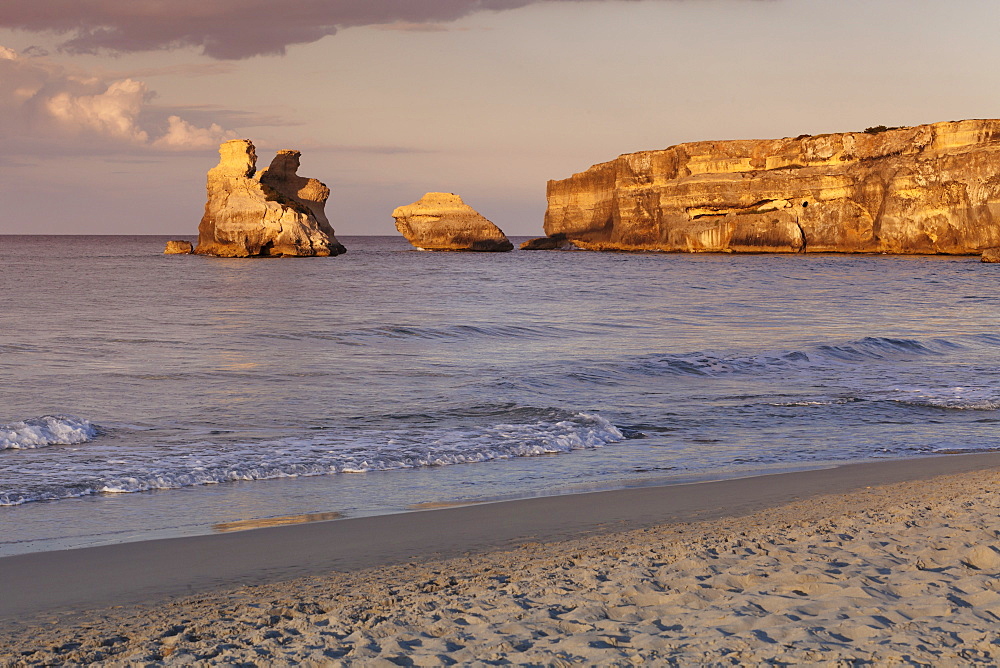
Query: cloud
x=50 y=108
x=111 y=113
x=227 y=29
x=183 y=135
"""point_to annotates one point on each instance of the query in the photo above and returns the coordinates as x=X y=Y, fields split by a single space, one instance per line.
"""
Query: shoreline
x=885 y=574
x=157 y=570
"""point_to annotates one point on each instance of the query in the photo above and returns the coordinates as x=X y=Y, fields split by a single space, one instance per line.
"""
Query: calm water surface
x=146 y=395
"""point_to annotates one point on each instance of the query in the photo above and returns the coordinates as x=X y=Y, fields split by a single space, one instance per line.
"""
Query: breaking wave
x=47 y=430
x=336 y=452
x=948 y=398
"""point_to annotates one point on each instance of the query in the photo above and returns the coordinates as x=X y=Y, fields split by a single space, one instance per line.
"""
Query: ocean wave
x=447 y=332
x=948 y=398
x=460 y=332
x=953 y=403
x=47 y=430
x=17 y=348
x=957 y=405
x=803 y=403
x=707 y=363
x=880 y=348
x=336 y=452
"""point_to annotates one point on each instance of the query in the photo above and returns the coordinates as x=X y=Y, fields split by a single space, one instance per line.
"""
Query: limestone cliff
x=275 y=213
x=924 y=189
x=442 y=221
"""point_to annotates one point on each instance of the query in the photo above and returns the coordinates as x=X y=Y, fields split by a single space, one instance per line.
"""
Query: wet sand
x=887 y=561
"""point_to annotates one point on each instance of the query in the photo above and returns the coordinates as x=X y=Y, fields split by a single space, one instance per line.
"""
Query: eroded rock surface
x=990 y=255
x=557 y=241
x=925 y=189
x=282 y=176
x=442 y=221
x=178 y=247
x=274 y=213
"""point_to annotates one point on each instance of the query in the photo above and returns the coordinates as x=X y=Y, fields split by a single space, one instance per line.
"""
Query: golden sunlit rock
x=275 y=213
x=178 y=247
x=924 y=189
x=442 y=221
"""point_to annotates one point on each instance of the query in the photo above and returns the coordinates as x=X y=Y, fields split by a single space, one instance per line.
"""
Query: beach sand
x=890 y=563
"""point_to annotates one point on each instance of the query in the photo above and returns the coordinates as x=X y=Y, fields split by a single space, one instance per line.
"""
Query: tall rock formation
x=925 y=189
x=274 y=213
x=442 y=221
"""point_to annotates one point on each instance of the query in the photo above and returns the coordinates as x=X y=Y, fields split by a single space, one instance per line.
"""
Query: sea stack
x=178 y=247
x=272 y=214
x=926 y=189
x=442 y=221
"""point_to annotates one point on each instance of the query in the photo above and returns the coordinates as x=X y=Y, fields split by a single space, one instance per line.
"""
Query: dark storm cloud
x=225 y=29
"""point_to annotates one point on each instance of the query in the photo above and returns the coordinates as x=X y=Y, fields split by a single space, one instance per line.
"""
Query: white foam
x=952 y=398
x=811 y=402
x=338 y=452
x=46 y=430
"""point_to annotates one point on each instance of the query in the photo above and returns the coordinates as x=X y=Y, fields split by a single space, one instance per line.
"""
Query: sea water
x=146 y=395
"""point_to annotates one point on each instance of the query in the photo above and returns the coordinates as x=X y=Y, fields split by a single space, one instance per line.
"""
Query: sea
x=148 y=396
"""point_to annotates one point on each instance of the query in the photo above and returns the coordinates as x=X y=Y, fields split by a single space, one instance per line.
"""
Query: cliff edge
x=926 y=189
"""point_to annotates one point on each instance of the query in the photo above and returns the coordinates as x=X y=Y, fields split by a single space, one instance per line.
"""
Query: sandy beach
x=499 y=332
x=887 y=562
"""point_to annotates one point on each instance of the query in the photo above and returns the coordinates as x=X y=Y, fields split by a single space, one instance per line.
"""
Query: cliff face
x=274 y=213
x=442 y=221
x=925 y=189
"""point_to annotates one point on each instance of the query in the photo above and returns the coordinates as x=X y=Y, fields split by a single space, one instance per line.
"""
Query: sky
x=111 y=111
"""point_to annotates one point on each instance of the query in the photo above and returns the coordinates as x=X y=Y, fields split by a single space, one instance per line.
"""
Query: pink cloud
x=50 y=108
x=226 y=29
